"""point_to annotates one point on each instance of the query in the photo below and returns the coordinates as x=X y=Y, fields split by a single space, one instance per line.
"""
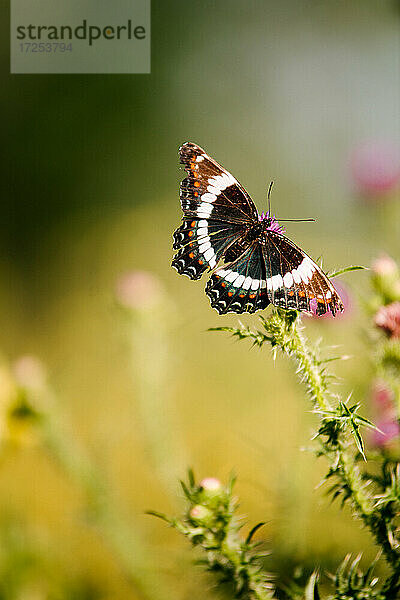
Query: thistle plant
x=30 y=415
x=211 y=523
x=373 y=494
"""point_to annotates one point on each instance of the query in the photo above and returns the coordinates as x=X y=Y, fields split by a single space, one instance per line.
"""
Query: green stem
x=311 y=368
x=342 y=461
x=152 y=362
x=131 y=552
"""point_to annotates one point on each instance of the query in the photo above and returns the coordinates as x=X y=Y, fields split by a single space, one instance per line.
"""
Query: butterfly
x=252 y=263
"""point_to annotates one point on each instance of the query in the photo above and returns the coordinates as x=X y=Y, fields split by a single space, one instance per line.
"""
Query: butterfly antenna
x=295 y=220
x=269 y=197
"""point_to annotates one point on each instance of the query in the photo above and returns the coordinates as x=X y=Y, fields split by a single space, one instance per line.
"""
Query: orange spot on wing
x=196 y=194
x=196 y=184
x=201 y=262
x=223 y=284
x=291 y=293
x=192 y=224
x=321 y=300
x=230 y=294
x=190 y=234
x=191 y=254
x=242 y=295
x=302 y=294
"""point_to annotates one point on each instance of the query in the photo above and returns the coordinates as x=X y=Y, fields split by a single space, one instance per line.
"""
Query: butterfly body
x=261 y=266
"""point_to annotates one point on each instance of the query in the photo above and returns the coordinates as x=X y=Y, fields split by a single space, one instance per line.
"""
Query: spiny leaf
x=185 y=490
x=346 y=270
x=159 y=515
x=191 y=477
x=252 y=532
x=311 y=591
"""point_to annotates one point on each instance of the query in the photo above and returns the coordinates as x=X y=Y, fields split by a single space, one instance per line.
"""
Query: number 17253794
x=45 y=47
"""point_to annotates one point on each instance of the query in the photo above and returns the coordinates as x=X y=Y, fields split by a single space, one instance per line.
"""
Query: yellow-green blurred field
x=284 y=91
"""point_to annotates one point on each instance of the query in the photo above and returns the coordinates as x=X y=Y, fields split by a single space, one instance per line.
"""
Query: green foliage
x=311 y=591
x=352 y=584
x=374 y=498
x=342 y=417
x=211 y=523
x=338 y=423
x=346 y=270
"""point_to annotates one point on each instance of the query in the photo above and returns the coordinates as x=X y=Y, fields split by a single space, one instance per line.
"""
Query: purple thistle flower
x=274 y=225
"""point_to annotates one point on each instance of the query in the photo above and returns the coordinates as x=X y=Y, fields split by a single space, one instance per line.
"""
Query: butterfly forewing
x=216 y=212
x=210 y=191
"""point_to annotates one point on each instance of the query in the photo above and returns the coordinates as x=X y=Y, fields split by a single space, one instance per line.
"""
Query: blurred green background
x=288 y=91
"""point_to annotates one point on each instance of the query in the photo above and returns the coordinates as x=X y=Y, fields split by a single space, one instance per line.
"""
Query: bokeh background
x=102 y=338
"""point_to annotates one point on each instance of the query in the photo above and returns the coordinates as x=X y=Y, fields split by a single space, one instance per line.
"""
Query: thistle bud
x=201 y=515
x=375 y=169
x=386 y=279
x=388 y=319
x=139 y=290
x=384 y=266
x=387 y=433
x=211 y=490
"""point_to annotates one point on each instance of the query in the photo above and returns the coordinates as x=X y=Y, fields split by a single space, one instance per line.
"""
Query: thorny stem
x=310 y=369
x=342 y=461
x=283 y=331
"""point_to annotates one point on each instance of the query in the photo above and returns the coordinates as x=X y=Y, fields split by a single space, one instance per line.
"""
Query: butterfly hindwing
x=201 y=243
x=294 y=280
x=240 y=286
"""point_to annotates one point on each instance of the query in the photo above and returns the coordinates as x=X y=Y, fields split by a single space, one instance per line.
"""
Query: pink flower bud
x=139 y=290
x=210 y=484
x=388 y=319
x=211 y=491
x=389 y=431
x=382 y=397
x=201 y=514
x=375 y=168
x=384 y=266
x=29 y=372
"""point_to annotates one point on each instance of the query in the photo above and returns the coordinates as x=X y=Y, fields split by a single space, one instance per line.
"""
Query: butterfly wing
x=216 y=212
x=294 y=280
x=208 y=183
x=240 y=286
